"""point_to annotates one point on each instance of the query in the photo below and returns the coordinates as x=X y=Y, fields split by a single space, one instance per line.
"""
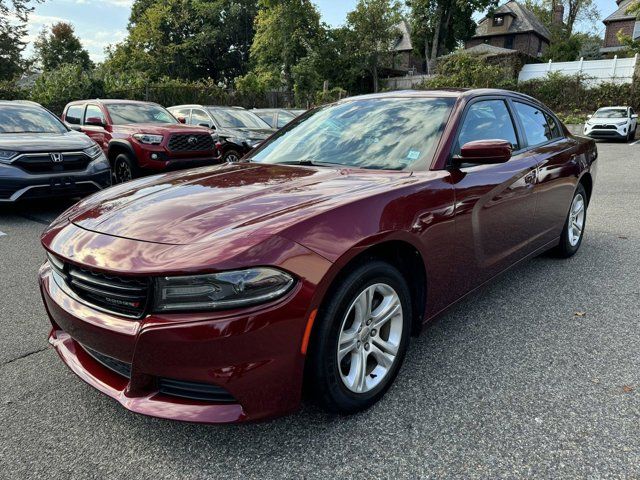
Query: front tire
x=124 y=168
x=573 y=230
x=231 y=156
x=361 y=337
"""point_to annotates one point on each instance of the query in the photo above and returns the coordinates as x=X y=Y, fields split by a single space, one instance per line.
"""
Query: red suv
x=140 y=137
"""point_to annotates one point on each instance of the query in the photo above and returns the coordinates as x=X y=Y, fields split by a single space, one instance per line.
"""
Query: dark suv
x=40 y=157
x=140 y=137
x=239 y=131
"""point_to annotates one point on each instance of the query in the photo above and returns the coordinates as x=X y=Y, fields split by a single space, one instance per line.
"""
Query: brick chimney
x=558 y=14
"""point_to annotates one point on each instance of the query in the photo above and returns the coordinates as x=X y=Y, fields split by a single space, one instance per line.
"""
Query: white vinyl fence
x=615 y=70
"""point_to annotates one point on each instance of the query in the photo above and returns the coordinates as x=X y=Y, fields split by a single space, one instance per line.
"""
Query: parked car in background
x=40 y=157
x=612 y=122
x=277 y=117
x=141 y=137
x=238 y=130
x=217 y=295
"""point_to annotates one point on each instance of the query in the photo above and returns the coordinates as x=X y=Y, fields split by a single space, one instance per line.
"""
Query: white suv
x=612 y=122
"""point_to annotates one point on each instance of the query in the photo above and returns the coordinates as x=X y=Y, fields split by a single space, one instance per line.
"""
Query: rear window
x=28 y=119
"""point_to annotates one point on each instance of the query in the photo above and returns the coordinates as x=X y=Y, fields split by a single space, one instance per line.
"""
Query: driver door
x=495 y=204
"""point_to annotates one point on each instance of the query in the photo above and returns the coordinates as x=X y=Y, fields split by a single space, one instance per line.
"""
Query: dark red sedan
x=215 y=294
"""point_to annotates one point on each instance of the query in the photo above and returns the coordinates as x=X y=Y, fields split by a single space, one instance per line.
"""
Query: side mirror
x=204 y=125
x=589 y=117
x=483 y=152
x=635 y=115
x=94 y=121
x=182 y=120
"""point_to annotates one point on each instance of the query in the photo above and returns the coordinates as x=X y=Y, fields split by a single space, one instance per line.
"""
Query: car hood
x=44 y=142
x=253 y=133
x=224 y=202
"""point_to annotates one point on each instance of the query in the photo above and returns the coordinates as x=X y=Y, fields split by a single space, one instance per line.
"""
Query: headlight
x=236 y=140
x=148 y=139
x=7 y=155
x=217 y=291
x=93 y=151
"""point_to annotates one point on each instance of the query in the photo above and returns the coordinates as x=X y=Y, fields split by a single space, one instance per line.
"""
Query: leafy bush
x=54 y=89
x=330 y=96
x=10 y=91
x=467 y=71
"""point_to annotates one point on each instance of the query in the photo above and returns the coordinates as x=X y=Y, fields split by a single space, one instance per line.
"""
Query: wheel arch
x=586 y=180
x=116 y=147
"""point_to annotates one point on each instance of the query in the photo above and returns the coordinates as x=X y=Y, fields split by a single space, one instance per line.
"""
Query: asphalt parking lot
x=510 y=383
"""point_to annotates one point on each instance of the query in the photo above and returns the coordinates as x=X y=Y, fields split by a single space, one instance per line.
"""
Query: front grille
x=115 y=365
x=194 y=391
x=190 y=143
x=43 y=163
x=605 y=127
x=120 y=295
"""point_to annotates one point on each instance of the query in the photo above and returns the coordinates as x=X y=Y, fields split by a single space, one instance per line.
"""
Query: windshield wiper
x=312 y=163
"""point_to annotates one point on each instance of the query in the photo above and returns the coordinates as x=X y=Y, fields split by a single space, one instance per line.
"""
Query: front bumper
x=606 y=131
x=253 y=355
x=16 y=184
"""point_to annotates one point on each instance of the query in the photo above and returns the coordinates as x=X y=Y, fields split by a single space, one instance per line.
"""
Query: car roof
x=27 y=103
x=105 y=101
x=227 y=107
x=444 y=93
x=613 y=108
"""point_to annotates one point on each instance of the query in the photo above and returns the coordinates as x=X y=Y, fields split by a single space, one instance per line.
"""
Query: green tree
x=374 y=26
x=60 y=46
x=187 y=39
x=55 y=88
x=439 y=26
x=286 y=32
x=13 y=20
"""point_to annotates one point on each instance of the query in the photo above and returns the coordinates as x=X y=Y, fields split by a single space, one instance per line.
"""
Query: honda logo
x=57 y=157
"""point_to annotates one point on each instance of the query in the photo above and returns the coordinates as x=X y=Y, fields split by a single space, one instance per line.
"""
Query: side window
x=93 y=111
x=488 y=120
x=74 y=114
x=182 y=113
x=267 y=117
x=556 y=131
x=284 y=118
x=535 y=124
x=199 y=117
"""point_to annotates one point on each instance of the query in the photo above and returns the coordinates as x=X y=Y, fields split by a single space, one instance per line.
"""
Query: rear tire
x=124 y=168
x=574 y=226
x=360 y=338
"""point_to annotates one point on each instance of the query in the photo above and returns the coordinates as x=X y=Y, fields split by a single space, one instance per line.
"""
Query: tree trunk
x=375 y=78
x=436 y=34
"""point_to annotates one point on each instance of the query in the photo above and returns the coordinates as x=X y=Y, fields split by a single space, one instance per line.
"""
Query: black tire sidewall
x=228 y=153
x=123 y=157
x=326 y=381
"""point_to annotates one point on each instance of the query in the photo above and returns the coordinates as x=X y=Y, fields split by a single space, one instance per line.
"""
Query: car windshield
x=611 y=113
x=236 y=118
x=28 y=119
x=390 y=134
x=126 y=113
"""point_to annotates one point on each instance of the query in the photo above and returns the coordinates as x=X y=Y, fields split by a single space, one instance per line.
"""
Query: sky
x=99 y=23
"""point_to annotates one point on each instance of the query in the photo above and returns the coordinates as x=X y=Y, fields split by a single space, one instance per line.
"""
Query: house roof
x=620 y=13
x=524 y=21
x=404 y=41
x=485 y=50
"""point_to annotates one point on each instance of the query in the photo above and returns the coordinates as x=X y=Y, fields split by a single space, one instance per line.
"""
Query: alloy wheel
x=576 y=220
x=123 y=172
x=370 y=338
x=232 y=158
